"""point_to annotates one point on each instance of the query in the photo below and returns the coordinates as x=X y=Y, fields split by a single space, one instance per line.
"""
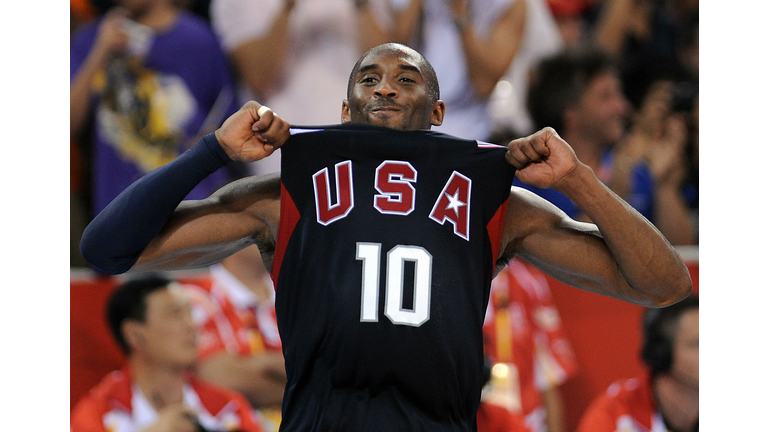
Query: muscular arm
x=621 y=255
x=204 y=232
x=149 y=227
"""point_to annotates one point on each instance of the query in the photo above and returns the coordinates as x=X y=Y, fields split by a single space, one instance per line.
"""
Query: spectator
x=525 y=341
x=471 y=45
x=579 y=93
x=151 y=79
x=294 y=54
x=151 y=320
x=667 y=397
x=660 y=137
x=240 y=346
x=541 y=38
x=649 y=39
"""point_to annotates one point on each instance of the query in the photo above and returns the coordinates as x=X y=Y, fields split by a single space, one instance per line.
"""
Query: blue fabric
x=641 y=195
x=150 y=111
x=113 y=241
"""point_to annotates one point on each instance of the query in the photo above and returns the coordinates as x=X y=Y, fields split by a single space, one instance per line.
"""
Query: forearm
x=488 y=59
x=653 y=271
x=404 y=23
x=369 y=32
x=116 y=237
x=260 y=61
x=613 y=25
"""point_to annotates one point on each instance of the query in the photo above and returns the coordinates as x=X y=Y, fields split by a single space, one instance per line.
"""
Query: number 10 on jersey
x=394 y=264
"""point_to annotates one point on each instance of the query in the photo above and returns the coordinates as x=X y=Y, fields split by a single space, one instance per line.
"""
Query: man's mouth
x=385 y=108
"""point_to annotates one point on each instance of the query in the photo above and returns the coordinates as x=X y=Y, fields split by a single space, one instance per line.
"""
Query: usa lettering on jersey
x=395 y=182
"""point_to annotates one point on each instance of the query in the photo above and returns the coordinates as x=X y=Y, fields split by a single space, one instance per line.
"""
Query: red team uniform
x=627 y=406
x=524 y=333
x=117 y=405
x=231 y=319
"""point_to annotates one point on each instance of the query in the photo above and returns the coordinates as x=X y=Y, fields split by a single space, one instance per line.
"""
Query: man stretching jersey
x=382 y=258
x=387 y=239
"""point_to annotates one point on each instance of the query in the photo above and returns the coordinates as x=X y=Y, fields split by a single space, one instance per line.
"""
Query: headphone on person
x=658 y=339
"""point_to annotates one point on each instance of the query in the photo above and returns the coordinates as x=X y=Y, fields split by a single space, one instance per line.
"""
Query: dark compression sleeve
x=115 y=238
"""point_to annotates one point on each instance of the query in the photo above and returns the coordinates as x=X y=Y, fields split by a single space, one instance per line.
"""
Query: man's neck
x=161 y=385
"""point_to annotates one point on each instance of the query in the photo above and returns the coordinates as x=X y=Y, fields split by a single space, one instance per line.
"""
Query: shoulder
x=112 y=393
x=192 y=22
x=623 y=395
x=197 y=31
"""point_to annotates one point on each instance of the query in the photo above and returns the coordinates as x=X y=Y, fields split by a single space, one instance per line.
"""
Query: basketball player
x=667 y=397
x=382 y=238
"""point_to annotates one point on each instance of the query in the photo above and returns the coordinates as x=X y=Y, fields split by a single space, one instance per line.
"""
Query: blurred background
x=618 y=79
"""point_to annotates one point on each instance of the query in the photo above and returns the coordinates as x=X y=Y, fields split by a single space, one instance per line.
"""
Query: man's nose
x=385 y=90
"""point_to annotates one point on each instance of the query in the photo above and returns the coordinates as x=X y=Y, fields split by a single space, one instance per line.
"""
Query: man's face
x=169 y=334
x=390 y=90
x=602 y=110
x=685 y=351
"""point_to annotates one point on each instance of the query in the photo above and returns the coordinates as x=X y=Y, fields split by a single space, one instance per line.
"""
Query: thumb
x=264 y=116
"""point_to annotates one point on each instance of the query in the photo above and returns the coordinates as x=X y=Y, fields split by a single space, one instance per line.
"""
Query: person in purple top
x=147 y=80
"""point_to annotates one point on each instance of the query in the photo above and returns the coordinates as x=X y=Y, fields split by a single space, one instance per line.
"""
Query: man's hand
x=249 y=136
x=111 y=37
x=542 y=159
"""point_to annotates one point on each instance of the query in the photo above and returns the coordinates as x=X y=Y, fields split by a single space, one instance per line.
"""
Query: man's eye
x=367 y=80
x=406 y=79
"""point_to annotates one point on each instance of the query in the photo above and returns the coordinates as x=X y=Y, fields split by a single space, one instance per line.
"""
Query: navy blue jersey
x=383 y=266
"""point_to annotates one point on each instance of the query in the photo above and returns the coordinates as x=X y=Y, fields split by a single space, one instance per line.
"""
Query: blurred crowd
x=617 y=79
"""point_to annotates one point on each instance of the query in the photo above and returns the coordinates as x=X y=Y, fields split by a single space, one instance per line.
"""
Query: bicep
x=570 y=251
x=204 y=232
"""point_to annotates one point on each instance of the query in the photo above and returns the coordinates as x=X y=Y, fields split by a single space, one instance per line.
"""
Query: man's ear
x=133 y=334
x=438 y=113
x=346 y=117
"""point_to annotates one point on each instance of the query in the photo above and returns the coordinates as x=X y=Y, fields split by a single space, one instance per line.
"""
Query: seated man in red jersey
x=667 y=397
x=526 y=342
x=239 y=346
x=151 y=320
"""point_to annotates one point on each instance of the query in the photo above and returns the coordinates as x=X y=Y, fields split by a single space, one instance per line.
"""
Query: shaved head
x=430 y=77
